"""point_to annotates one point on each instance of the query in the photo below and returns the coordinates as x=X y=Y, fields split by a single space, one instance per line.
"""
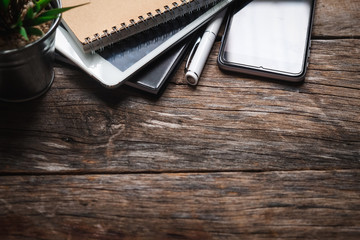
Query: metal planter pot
x=27 y=72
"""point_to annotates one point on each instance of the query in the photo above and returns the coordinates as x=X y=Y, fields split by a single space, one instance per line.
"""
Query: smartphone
x=268 y=38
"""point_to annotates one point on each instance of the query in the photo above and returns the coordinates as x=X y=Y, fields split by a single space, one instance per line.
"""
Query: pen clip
x=192 y=53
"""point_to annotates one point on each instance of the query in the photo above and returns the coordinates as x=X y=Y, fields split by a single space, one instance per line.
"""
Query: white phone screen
x=270 y=35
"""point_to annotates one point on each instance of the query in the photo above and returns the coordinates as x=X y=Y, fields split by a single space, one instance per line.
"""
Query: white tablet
x=117 y=63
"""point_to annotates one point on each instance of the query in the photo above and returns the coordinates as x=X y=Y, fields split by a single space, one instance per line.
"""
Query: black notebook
x=152 y=78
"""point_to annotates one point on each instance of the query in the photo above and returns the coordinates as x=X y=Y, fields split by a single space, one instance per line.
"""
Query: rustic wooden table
x=236 y=157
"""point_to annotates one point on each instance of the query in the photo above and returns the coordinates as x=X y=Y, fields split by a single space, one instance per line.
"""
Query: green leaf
x=4 y=4
x=48 y=15
x=19 y=23
x=39 y=5
x=30 y=14
x=23 y=33
x=34 y=31
x=55 y=12
x=39 y=20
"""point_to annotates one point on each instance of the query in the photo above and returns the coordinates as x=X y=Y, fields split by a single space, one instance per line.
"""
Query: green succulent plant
x=21 y=16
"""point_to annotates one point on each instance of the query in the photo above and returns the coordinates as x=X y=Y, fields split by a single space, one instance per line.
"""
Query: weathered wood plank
x=230 y=122
x=335 y=18
x=281 y=205
x=238 y=122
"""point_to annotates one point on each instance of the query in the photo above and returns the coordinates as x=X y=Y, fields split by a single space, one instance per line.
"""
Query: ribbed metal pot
x=27 y=72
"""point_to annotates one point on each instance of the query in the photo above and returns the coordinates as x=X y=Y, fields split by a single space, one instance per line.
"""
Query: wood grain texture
x=237 y=157
x=275 y=205
x=337 y=19
x=238 y=122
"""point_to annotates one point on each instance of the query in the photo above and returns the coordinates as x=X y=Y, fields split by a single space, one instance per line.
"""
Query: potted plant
x=27 y=45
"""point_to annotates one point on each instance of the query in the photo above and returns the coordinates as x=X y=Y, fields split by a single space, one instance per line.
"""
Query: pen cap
x=192 y=78
x=203 y=50
x=200 y=57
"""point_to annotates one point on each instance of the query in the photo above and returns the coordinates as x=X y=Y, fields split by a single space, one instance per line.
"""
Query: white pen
x=197 y=63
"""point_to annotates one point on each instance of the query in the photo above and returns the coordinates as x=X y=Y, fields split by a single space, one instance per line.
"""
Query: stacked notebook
x=116 y=40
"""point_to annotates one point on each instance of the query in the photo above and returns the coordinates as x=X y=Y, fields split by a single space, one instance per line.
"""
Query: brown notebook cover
x=103 y=22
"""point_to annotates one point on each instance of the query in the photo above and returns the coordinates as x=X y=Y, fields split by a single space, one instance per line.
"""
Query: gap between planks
x=84 y=173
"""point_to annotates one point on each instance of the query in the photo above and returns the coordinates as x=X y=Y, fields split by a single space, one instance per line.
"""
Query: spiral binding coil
x=116 y=34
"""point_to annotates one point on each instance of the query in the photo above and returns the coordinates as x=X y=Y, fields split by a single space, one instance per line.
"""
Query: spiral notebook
x=103 y=22
x=119 y=62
